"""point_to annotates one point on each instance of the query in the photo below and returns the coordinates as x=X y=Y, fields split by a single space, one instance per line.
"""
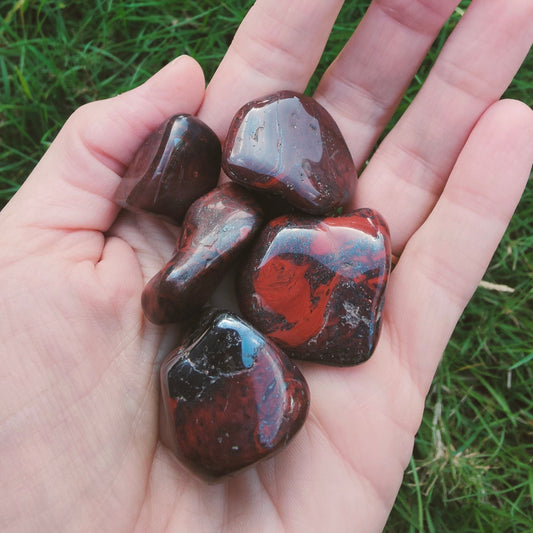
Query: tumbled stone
x=316 y=287
x=231 y=397
x=176 y=164
x=216 y=229
x=288 y=145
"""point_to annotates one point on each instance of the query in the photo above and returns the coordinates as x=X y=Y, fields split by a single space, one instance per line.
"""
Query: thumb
x=73 y=185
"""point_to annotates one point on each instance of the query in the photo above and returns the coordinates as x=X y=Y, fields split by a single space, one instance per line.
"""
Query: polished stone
x=316 y=286
x=288 y=145
x=176 y=164
x=216 y=229
x=231 y=397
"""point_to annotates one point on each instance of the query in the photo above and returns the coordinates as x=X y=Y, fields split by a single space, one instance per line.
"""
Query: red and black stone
x=288 y=145
x=231 y=397
x=176 y=164
x=216 y=229
x=316 y=287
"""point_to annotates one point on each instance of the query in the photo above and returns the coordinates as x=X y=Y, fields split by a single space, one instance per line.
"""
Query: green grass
x=472 y=467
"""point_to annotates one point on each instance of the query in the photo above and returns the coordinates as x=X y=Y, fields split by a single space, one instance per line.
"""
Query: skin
x=79 y=375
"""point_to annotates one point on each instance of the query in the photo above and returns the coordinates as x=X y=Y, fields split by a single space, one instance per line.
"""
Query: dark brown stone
x=288 y=145
x=231 y=397
x=176 y=164
x=216 y=229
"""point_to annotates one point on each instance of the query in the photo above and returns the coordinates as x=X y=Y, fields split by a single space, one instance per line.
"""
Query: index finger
x=277 y=46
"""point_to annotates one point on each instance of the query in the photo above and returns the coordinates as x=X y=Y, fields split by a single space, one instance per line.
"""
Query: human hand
x=79 y=389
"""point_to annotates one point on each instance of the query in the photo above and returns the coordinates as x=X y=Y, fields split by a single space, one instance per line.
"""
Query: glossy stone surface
x=216 y=229
x=288 y=145
x=316 y=287
x=176 y=164
x=231 y=397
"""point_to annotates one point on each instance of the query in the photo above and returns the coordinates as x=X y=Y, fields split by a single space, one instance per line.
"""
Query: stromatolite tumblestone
x=316 y=287
x=231 y=396
x=288 y=145
x=176 y=164
x=216 y=229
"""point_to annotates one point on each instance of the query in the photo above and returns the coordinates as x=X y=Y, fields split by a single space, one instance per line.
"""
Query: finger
x=407 y=174
x=427 y=291
x=363 y=86
x=72 y=187
x=444 y=261
x=277 y=46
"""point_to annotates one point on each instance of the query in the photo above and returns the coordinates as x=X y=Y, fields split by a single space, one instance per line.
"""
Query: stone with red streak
x=316 y=286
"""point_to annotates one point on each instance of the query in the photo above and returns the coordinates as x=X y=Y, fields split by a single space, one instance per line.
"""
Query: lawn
x=472 y=466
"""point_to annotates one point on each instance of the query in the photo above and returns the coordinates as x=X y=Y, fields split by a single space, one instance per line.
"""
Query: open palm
x=79 y=377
